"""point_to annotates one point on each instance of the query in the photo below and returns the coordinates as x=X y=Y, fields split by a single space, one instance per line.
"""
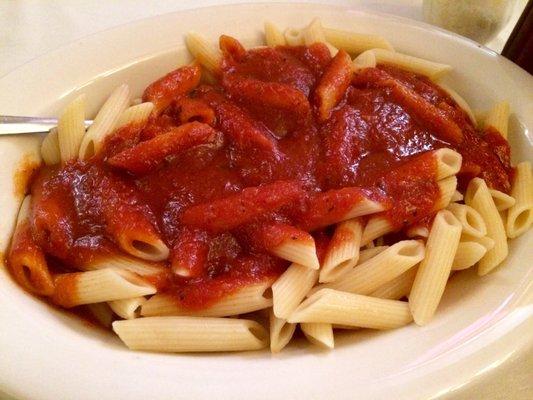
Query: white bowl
x=481 y=324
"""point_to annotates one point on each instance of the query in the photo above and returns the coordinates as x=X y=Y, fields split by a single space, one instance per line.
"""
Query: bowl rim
x=519 y=341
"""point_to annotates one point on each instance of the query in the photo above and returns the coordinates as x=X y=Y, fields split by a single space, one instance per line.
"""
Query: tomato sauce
x=266 y=130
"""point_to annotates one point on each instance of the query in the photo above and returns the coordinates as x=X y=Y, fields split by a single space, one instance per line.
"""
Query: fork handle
x=15 y=125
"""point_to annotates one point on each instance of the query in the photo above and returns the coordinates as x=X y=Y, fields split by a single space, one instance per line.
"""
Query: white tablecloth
x=30 y=28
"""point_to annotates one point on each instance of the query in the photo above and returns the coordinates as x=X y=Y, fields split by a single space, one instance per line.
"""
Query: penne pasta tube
x=502 y=200
x=335 y=307
x=128 y=308
x=448 y=163
x=290 y=289
x=364 y=60
x=314 y=33
x=472 y=222
x=294 y=37
x=280 y=332
x=319 y=334
x=301 y=251
x=204 y=52
x=77 y=288
x=273 y=36
x=447 y=188
x=104 y=123
x=431 y=69
x=498 y=118
x=142 y=244
x=355 y=43
x=125 y=263
x=25 y=258
x=136 y=115
x=478 y=197
x=485 y=241
x=435 y=268
x=245 y=300
x=387 y=265
x=461 y=102
x=398 y=287
x=71 y=129
x=376 y=226
x=333 y=84
x=417 y=231
x=520 y=215
x=468 y=254
x=343 y=250
x=190 y=334
x=380 y=225
x=456 y=197
x=367 y=254
x=50 y=148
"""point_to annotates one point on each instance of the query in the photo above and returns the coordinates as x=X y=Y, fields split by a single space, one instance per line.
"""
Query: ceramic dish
x=481 y=323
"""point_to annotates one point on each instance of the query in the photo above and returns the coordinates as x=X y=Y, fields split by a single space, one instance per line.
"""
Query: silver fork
x=15 y=125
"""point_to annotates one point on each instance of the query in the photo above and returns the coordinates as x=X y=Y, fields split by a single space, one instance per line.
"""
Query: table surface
x=30 y=28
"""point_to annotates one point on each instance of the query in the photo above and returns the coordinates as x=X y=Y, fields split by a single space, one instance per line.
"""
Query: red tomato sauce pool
x=365 y=142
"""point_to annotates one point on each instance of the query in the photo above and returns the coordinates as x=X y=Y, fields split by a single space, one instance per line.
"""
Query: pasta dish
x=325 y=181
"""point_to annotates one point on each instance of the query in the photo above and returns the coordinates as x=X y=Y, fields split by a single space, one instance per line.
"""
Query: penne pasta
x=387 y=265
x=380 y=225
x=290 y=289
x=398 y=287
x=190 y=334
x=150 y=154
x=204 y=52
x=143 y=245
x=125 y=263
x=71 y=129
x=468 y=254
x=245 y=300
x=77 y=288
x=355 y=43
x=364 y=60
x=26 y=260
x=273 y=36
x=498 y=118
x=50 y=148
x=367 y=254
x=314 y=33
x=333 y=83
x=280 y=332
x=447 y=188
x=457 y=197
x=434 y=270
x=136 y=115
x=335 y=307
x=319 y=334
x=431 y=69
x=417 y=231
x=471 y=221
x=460 y=101
x=104 y=123
x=520 y=215
x=502 y=200
x=478 y=197
x=448 y=162
x=128 y=308
x=302 y=252
x=294 y=37
x=343 y=250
